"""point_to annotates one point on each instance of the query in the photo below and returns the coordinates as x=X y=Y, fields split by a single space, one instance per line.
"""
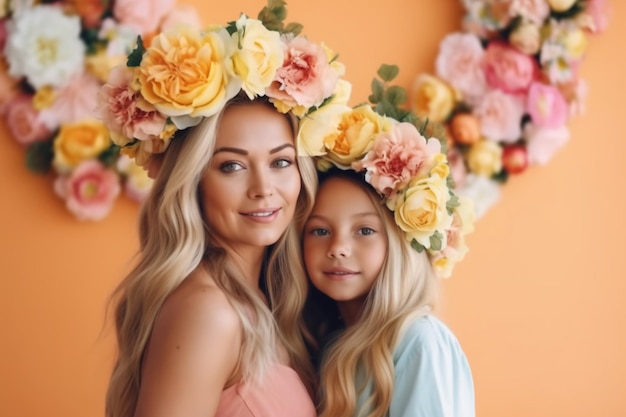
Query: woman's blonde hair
x=174 y=240
x=403 y=291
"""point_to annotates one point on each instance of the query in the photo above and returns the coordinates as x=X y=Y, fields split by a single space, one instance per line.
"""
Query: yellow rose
x=259 y=55
x=77 y=142
x=353 y=136
x=340 y=133
x=575 y=41
x=485 y=158
x=100 y=64
x=561 y=5
x=441 y=168
x=526 y=37
x=421 y=211
x=433 y=98
x=187 y=75
x=44 y=97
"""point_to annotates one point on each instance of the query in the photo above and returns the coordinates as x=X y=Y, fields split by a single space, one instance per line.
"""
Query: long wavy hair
x=175 y=240
x=404 y=291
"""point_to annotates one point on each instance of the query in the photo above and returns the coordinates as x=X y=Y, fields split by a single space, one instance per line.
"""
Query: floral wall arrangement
x=503 y=90
x=505 y=87
x=55 y=56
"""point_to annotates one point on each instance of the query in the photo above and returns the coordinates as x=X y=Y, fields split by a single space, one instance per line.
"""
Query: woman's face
x=251 y=184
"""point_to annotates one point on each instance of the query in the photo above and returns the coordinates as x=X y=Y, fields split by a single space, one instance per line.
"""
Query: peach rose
x=433 y=98
x=77 y=142
x=187 y=75
x=396 y=157
x=455 y=249
x=23 y=121
x=464 y=128
x=89 y=191
x=124 y=113
x=500 y=115
x=305 y=78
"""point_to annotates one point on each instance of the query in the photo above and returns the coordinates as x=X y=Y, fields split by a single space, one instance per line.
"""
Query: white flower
x=44 y=46
x=482 y=191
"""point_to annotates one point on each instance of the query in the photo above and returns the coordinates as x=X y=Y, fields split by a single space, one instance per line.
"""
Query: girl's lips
x=340 y=274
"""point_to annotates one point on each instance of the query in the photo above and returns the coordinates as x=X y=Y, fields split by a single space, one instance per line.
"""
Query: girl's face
x=345 y=244
x=251 y=185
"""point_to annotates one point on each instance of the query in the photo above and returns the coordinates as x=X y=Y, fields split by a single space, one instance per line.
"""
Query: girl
x=372 y=247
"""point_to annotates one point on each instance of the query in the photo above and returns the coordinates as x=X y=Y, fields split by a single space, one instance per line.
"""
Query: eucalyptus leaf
x=436 y=241
x=417 y=246
x=388 y=72
x=396 y=95
x=135 y=57
x=39 y=156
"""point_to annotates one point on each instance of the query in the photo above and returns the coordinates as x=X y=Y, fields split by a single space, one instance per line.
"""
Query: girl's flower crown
x=407 y=169
x=186 y=75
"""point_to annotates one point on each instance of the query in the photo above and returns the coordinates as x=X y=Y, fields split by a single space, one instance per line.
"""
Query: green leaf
x=110 y=155
x=388 y=72
x=39 y=156
x=417 y=246
x=452 y=203
x=294 y=28
x=231 y=27
x=436 y=241
x=396 y=95
x=384 y=108
x=135 y=57
x=377 y=91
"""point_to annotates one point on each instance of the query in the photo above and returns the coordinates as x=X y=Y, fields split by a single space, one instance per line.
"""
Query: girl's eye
x=282 y=163
x=366 y=231
x=318 y=231
x=230 y=166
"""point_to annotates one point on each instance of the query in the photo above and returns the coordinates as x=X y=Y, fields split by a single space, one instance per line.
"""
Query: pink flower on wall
x=89 y=191
x=508 y=69
x=546 y=105
x=142 y=15
x=24 y=122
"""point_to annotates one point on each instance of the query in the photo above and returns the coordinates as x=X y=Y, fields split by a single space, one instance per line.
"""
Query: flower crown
x=408 y=170
x=185 y=75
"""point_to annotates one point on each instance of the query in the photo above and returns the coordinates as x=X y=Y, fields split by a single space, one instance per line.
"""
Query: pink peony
x=73 y=103
x=544 y=142
x=396 y=157
x=500 y=116
x=142 y=15
x=124 y=113
x=546 y=105
x=459 y=62
x=89 y=191
x=24 y=122
x=181 y=14
x=305 y=78
x=508 y=69
x=599 y=12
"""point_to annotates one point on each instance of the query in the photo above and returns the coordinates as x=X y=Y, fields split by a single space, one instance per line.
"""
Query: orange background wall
x=537 y=304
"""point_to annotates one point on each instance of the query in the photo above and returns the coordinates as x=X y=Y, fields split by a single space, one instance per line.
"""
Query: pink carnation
x=124 y=112
x=305 y=78
x=544 y=142
x=460 y=64
x=73 y=103
x=546 y=105
x=89 y=191
x=500 y=116
x=508 y=69
x=142 y=15
x=396 y=157
x=24 y=122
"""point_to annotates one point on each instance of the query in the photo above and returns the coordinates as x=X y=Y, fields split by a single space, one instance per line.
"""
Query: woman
x=208 y=321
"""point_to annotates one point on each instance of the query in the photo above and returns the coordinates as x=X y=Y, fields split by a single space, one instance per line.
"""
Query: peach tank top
x=281 y=394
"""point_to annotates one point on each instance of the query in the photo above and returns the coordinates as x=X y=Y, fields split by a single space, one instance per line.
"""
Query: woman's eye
x=282 y=163
x=230 y=166
x=366 y=231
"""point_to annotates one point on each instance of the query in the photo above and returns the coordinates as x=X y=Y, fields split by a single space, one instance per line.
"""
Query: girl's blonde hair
x=403 y=291
x=175 y=240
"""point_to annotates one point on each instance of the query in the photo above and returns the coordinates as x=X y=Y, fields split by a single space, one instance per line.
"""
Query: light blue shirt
x=432 y=375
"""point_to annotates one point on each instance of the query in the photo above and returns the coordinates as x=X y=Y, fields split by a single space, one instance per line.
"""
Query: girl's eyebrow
x=244 y=152
x=363 y=214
